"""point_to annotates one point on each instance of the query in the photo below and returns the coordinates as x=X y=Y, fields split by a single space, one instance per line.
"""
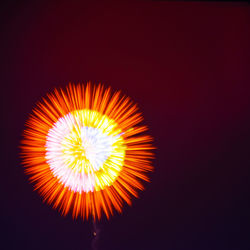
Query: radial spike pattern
x=85 y=151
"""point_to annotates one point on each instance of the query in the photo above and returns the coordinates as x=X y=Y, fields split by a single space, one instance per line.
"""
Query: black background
x=187 y=66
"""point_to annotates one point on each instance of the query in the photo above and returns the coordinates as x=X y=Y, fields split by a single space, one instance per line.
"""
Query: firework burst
x=85 y=151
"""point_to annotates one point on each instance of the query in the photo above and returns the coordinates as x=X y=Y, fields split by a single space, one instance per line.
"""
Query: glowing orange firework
x=84 y=150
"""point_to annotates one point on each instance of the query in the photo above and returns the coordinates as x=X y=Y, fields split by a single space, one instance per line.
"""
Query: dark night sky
x=187 y=66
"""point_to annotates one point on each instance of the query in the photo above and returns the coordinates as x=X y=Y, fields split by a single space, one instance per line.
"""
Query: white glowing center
x=97 y=146
x=75 y=153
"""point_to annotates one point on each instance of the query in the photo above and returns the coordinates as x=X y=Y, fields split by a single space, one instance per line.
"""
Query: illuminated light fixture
x=85 y=150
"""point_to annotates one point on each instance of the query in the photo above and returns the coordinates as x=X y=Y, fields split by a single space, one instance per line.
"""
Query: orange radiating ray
x=62 y=163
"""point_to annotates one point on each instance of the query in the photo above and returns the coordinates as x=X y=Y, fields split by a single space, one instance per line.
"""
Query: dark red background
x=187 y=66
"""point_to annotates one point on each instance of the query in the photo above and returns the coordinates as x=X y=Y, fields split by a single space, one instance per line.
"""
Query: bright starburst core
x=85 y=151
